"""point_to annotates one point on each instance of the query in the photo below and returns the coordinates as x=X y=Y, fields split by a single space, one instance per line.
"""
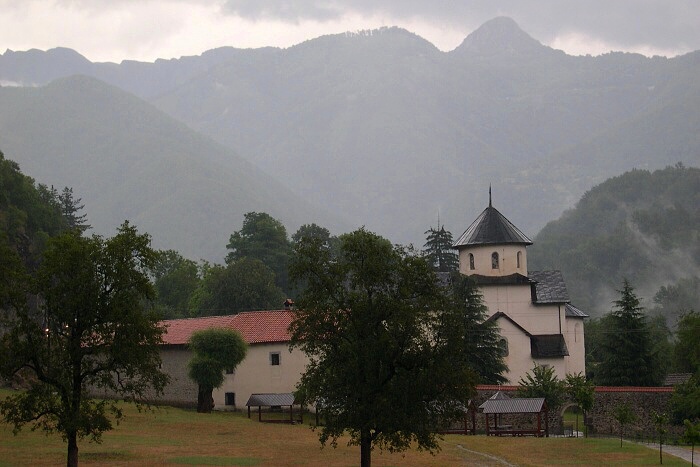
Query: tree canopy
x=542 y=381
x=90 y=327
x=627 y=357
x=389 y=361
x=214 y=351
x=263 y=238
x=243 y=285
x=438 y=250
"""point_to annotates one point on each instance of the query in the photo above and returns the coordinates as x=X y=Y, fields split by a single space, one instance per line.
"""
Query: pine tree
x=70 y=207
x=438 y=250
x=626 y=347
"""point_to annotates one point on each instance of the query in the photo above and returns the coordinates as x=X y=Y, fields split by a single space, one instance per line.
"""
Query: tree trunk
x=72 y=460
x=205 y=400
x=365 y=449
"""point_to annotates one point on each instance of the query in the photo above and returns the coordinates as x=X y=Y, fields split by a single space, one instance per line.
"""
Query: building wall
x=507 y=260
x=516 y=302
x=255 y=374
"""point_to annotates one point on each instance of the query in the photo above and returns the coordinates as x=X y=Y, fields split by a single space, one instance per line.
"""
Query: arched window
x=494 y=260
x=518 y=259
x=471 y=261
x=503 y=347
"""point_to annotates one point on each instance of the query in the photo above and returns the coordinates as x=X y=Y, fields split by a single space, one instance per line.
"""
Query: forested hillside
x=643 y=226
x=385 y=130
x=129 y=161
x=29 y=212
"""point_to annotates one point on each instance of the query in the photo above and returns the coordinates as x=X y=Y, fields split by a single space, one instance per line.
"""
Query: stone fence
x=600 y=420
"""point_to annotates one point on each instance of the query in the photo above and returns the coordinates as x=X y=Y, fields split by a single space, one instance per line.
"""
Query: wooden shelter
x=500 y=404
x=275 y=402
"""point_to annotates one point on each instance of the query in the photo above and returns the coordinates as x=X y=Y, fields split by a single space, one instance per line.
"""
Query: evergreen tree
x=70 y=208
x=438 y=250
x=626 y=347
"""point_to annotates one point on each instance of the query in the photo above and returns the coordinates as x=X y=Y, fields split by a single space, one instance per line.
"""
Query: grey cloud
x=657 y=23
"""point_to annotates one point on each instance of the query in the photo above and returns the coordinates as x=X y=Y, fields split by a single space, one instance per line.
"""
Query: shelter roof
x=514 y=405
x=270 y=400
x=549 y=287
x=256 y=327
x=492 y=228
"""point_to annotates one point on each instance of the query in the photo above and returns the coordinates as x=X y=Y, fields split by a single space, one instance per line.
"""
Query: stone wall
x=600 y=420
x=643 y=402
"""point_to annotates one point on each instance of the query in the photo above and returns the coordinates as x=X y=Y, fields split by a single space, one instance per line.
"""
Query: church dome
x=492 y=228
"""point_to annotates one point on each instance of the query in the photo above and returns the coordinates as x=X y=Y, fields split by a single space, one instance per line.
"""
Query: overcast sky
x=113 y=30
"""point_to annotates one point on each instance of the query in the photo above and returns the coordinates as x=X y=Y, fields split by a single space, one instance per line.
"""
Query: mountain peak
x=500 y=36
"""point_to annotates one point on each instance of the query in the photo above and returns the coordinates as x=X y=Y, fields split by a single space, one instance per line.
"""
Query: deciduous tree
x=263 y=238
x=623 y=415
x=581 y=391
x=387 y=362
x=542 y=381
x=243 y=285
x=93 y=328
x=215 y=351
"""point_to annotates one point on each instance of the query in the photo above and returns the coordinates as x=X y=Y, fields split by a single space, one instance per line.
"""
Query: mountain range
x=377 y=128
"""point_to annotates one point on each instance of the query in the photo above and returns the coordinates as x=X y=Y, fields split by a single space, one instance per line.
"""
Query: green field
x=169 y=436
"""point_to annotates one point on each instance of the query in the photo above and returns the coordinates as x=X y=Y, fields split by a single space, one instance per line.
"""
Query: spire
x=490 y=195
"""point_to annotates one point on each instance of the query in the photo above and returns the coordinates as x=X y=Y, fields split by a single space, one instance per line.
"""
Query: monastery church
x=538 y=324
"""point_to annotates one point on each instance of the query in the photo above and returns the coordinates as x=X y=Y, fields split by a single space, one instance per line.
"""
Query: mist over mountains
x=379 y=128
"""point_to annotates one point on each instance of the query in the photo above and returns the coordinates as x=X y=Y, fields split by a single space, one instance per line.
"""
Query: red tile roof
x=256 y=327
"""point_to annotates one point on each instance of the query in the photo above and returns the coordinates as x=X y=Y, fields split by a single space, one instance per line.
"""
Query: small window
x=494 y=260
x=503 y=347
x=471 y=261
x=274 y=358
x=518 y=259
x=230 y=398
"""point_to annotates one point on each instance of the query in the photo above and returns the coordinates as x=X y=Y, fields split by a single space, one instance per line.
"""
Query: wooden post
x=260 y=413
x=248 y=411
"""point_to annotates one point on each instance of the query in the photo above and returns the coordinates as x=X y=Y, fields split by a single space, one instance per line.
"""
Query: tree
x=214 y=351
x=661 y=424
x=176 y=279
x=623 y=415
x=387 y=350
x=691 y=435
x=92 y=328
x=685 y=401
x=687 y=350
x=438 y=250
x=263 y=238
x=70 y=207
x=482 y=338
x=542 y=381
x=626 y=347
x=243 y=285
x=581 y=391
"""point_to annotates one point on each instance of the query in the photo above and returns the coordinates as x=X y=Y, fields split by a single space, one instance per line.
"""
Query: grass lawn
x=169 y=436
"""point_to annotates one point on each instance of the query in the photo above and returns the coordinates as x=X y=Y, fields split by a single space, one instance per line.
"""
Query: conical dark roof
x=492 y=228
